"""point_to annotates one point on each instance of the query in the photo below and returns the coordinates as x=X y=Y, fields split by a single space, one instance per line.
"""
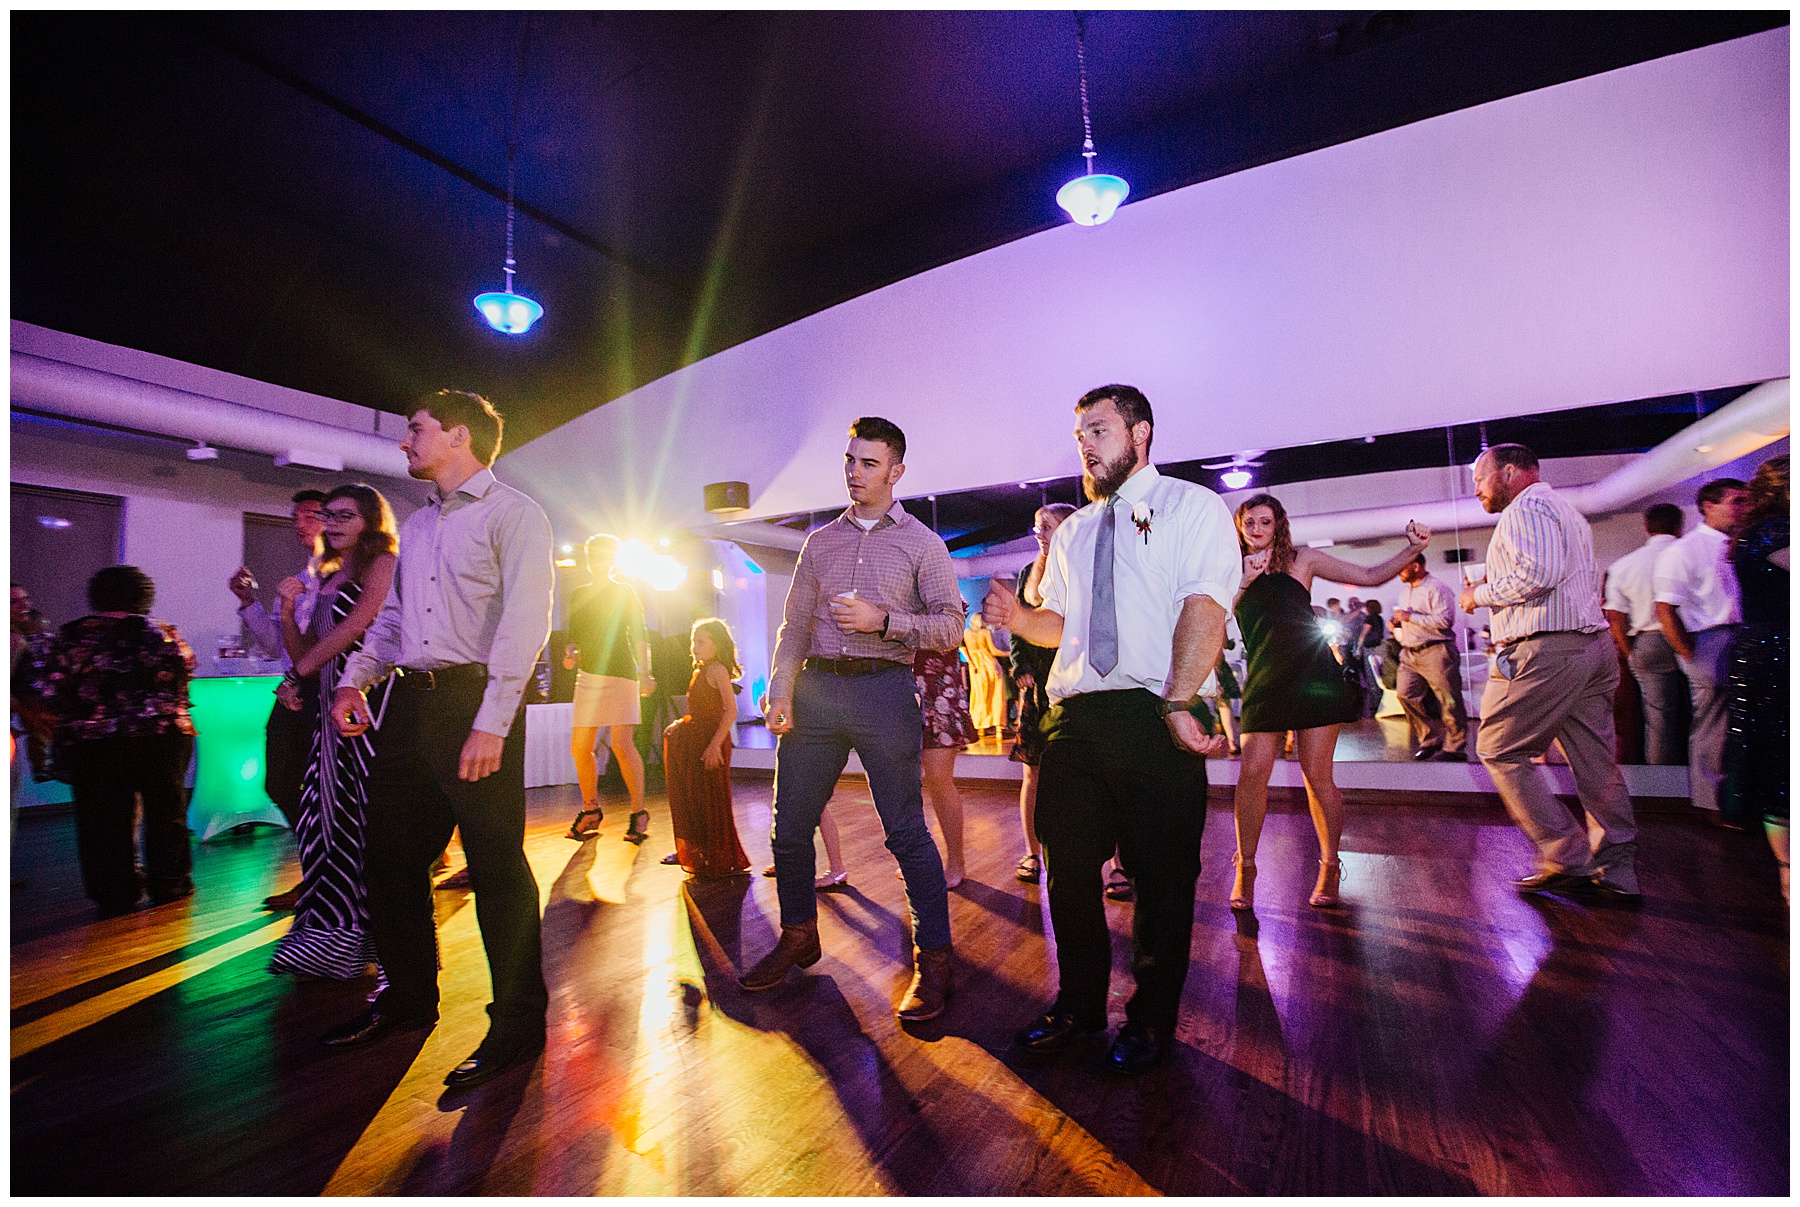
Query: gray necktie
x=1103 y=625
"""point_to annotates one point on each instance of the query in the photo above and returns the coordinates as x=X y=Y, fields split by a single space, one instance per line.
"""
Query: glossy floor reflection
x=1437 y=1035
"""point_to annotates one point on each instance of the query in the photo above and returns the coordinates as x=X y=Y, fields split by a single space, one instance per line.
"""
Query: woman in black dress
x=1294 y=681
x=330 y=933
x=1756 y=752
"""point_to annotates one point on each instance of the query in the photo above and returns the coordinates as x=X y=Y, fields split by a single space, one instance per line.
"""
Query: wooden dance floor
x=1438 y=1035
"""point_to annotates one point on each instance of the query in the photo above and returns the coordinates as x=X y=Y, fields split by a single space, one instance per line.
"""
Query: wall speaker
x=722 y=497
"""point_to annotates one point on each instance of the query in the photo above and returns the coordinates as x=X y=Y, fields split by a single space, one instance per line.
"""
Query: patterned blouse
x=109 y=676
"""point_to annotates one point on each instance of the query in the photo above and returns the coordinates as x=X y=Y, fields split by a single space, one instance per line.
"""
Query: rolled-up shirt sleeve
x=1208 y=563
x=380 y=648
x=265 y=630
x=1054 y=585
x=794 y=640
x=1671 y=576
x=1438 y=614
x=940 y=626
x=528 y=585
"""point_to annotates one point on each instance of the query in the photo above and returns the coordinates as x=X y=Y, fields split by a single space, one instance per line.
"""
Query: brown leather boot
x=797 y=948
x=930 y=987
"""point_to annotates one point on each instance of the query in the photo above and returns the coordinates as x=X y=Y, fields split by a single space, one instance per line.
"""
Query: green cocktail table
x=232 y=717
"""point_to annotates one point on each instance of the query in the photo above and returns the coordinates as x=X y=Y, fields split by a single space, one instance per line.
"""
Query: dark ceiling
x=312 y=198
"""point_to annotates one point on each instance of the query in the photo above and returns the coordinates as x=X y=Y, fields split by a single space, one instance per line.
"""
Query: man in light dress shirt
x=1552 y=679
x=287 y=741
x=1136 y=591
x=1631 y=611
x=1430 y=664
x=468 y=613
x=871 y=589
x=1697 y=607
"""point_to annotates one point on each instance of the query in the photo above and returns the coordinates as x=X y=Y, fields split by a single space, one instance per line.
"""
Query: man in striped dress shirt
x=872 y=588
x=1552 y=679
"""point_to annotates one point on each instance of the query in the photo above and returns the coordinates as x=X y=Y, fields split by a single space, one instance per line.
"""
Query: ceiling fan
x=1236 y=473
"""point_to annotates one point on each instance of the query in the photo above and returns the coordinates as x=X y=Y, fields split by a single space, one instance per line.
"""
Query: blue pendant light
x=507 y=311
x=1093 y=198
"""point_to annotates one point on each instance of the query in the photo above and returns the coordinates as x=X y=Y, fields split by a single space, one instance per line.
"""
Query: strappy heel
x=1326 y=894
x=1243 y=885
x=581 y=833
x=636 y=833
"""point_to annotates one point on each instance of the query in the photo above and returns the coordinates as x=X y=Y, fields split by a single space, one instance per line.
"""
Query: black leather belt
x=851 y=666
x=467 y=675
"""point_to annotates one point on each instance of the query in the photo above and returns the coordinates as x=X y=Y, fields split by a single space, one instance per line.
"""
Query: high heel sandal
x=582 y=833
x=634 y=833
x=1243 y=885
x=1326 y=894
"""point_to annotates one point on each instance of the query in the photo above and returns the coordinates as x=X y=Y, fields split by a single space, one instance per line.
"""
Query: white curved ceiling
x=1620 y=236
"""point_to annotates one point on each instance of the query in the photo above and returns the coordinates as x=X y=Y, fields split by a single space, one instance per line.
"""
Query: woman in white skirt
x=607 y=643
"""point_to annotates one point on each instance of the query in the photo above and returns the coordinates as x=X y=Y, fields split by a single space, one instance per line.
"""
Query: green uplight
x=231 y=715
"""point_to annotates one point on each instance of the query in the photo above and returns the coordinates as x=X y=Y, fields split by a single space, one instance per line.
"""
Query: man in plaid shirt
x=872 y=588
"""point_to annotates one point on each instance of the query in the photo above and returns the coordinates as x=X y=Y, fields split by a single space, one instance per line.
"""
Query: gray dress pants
x=1558 y=687
x=1665 y=692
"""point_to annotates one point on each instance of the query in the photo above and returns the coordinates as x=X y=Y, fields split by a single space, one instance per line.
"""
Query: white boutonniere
x=1141 y=516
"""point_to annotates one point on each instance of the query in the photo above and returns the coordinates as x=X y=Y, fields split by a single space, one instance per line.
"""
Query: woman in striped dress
x=329 y=936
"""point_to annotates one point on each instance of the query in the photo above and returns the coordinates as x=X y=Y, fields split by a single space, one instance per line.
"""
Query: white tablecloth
x=547 y=757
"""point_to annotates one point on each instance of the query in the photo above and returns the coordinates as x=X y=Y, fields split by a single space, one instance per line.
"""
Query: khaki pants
x=1559 y=687
x=1433 y=670
x=1707 y=674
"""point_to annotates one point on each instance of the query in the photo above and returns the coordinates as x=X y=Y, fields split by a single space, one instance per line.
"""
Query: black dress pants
x=287 y=749
x=106 y=776
x=1113 y=777
x=415 y=801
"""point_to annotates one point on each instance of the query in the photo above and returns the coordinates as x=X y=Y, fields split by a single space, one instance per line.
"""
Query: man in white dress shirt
x=463 y=624
x=1136 y=589
x=1631 y=611
x=1552 y=679
x=1430 y=665
x=287 y=740
x=1697 y=606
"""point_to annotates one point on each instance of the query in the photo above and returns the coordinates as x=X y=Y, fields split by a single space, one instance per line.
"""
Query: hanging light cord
x=1087 y=125
x=512 y=141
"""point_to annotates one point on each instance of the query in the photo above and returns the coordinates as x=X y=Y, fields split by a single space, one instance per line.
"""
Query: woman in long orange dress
x=697 y=760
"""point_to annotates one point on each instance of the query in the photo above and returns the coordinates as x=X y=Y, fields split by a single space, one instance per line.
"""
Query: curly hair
x=1768 y=489
x=1282 y=552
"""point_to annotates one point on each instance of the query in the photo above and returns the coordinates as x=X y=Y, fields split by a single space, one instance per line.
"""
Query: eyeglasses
x=343 y=516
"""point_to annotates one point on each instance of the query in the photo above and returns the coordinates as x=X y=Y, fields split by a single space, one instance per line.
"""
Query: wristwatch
x=1165 y=706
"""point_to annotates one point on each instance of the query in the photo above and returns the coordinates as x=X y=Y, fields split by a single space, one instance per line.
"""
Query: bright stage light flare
x=666 y=573
x=634 y=558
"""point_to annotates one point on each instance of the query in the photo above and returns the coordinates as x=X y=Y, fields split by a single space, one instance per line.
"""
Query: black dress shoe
x=1425 y=754
x=1055 y=1031
x=1552 y=882
x=1137 y=1050
x=1613 y=892
x=491 y=1059
x=370 y=1026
